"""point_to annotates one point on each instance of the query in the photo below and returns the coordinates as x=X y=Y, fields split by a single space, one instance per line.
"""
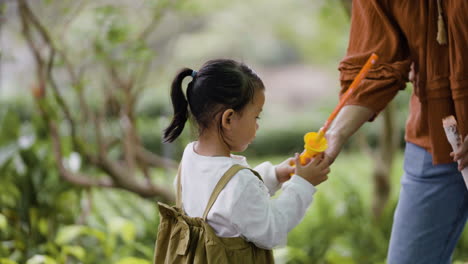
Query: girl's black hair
x=219 y=85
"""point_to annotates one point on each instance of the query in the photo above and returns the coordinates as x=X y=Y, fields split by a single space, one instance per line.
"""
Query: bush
x=43 y=219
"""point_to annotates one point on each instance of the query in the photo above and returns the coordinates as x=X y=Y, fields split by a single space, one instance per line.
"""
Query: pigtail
x=180 y=106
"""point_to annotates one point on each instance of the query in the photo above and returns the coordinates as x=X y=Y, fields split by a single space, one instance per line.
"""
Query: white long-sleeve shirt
x=244 y=207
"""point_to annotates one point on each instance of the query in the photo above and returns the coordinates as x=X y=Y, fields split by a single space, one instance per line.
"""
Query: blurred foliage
x=339 y=227
x=340 y=222
x=39 y=211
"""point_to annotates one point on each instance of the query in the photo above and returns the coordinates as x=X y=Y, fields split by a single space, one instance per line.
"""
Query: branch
x=389 y=135
x=102 y=146
x=119 y=176
x=129 y=142
x=29 y=15
x=66 y=24
x=27 y=34
x=124 y=176
x=85 y=207
x=120 y=180
x=75 y=178
x=151 y=25
x=155 y=160
x=125 y=181
x=364 y=146
x=141 y=74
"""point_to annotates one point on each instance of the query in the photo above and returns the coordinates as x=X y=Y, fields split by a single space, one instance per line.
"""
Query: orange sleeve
x=374 y=31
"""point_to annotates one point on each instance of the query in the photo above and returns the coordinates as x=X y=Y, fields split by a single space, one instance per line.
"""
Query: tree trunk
x=347 y=4
x=383 y=162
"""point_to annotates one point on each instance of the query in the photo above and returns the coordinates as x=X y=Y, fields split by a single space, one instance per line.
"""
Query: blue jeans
x=431 y=213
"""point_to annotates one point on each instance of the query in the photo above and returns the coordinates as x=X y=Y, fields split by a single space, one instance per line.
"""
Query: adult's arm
x=373 y=30
x=348 y=121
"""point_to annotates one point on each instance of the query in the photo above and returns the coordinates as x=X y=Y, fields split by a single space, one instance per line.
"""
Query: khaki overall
x=185 y=239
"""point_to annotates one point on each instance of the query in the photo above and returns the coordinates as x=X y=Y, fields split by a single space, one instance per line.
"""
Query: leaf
x=133 y=260
x=7 y=261
x=106 y=10
x=122 y=227
x=43 y=226
x=9 y=192
x=69 y=233
x=26 y=141
x=117 y=33
x=74 y=161
x=41 y=259
x=10 y=125
x=6 y=153
x=19 y=165
x=139 y=52
x=297 y=254
x=146 y=250
x=340 y=252
x=3 y=222
x=99 y=235
x=76 y=251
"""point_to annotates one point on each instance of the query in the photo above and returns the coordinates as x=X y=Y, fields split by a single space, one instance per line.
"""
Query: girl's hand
x=315 y=171
x=461 y=155
x=284 y=170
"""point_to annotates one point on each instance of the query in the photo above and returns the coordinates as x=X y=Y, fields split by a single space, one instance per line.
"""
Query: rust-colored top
x=403 y=34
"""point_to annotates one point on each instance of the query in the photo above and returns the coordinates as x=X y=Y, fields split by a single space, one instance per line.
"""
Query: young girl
x=225 y=99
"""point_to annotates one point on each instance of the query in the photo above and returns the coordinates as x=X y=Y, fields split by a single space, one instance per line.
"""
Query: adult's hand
x=461 y=155
x=348 y=120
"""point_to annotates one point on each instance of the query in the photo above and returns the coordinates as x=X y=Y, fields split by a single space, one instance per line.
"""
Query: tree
x=124 y=55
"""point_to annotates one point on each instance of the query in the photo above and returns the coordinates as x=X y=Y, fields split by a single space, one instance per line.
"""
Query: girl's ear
x=226 y=118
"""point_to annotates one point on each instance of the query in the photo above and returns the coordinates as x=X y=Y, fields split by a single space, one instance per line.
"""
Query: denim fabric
x=431 y=213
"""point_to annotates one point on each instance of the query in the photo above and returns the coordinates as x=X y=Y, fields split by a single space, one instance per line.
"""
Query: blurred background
x=84 y=97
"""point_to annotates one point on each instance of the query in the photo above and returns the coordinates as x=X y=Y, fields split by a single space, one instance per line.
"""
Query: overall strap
x=179 y=189
x=222 y=183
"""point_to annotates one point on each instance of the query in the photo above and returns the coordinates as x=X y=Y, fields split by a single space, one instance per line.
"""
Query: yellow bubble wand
x=315 y=143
